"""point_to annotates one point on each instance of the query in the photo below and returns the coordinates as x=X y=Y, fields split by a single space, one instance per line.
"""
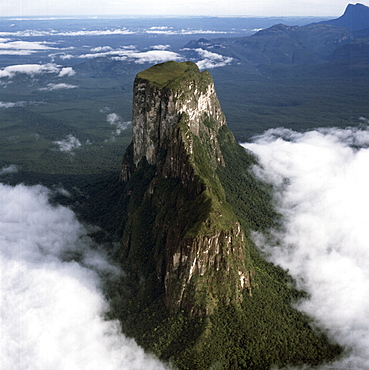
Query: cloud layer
x=60 y=86
x=68 y=144
x=8 y=170
x=161 y=30
x=211 y=60
x=11 y=104
x=116 y=121
x=130 y=53
x=18 y=47
x=33 y=70
x=51 y=308
x=321 y=188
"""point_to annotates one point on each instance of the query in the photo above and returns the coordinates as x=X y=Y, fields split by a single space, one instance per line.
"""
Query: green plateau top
x=164 y=74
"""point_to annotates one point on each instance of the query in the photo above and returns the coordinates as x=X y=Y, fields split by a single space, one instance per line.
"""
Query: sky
x=19 y=8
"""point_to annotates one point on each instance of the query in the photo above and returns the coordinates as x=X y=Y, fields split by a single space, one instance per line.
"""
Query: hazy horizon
x=265 y=8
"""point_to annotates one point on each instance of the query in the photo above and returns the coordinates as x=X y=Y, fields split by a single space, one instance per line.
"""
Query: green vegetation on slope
x=261 y=332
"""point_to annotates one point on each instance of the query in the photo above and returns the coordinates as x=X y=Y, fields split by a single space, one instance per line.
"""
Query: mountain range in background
x=355 y=18
x=344 y=37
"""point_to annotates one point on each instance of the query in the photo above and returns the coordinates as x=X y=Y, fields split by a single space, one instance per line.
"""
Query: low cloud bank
x=69 y=144
x=38 y=33
x=159 y=54
x=8 y=47
x=112 y=32
x=51 y=308
x=209 y=60
x=33 y=70
x=188 y=31
x=321 y=187
x=8 y=170
x=12 y=104
x=117 y=121
x=61 y=86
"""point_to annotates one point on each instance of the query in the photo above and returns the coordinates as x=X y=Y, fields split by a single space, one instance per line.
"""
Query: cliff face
x=183 y=248
x=164 y=95
x=195 y=244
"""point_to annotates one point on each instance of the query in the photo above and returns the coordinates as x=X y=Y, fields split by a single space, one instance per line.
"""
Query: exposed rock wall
x=200 y=253
x=157 y=111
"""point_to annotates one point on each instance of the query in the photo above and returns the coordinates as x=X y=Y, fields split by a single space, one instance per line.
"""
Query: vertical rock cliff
x=196 y=291
x=198 y=247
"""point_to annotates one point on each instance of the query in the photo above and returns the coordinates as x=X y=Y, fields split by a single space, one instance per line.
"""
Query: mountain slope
x=355 y=17
x=293 y=45
x=281 y=44
x=196 y=291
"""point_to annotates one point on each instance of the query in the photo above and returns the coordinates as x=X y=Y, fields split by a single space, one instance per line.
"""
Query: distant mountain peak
x=355 y=17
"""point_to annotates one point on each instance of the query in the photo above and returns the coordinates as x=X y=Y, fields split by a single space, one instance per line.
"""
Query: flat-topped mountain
x=196 y=292
x=198 y=240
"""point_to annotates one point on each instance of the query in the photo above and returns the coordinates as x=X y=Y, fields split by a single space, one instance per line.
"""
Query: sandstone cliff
x=197 y=245
x=188 y=203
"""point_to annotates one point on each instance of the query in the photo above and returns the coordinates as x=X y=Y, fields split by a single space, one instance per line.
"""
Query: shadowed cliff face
x=195 y=244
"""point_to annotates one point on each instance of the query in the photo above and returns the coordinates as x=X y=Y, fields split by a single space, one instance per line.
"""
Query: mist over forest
x=320 y=187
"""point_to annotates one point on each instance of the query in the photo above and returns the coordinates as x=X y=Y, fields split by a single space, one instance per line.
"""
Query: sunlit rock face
x=198 y=249
x=159 y=106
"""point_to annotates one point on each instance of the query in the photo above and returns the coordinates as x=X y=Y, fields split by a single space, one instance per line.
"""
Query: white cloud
x=115 y=120
x=130 y=53
x=12 y=104
x=159 y=30
x=34 y=69
x=104 y=52
x=154 y=56
x=8 y=170
x=117 y=31
x=171 y=31
x=60 y=86
x=69 y=144
x=211 y=60
x=67 y=72
x=38 y=33
x=25 y=45
x=66 y=56
x=52 y=310
x=16 y=52
x=160 y=47
x=321 y=188
x=22 y=47
x=100 y=49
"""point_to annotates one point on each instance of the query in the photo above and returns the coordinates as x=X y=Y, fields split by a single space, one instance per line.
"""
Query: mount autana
x=196 y=292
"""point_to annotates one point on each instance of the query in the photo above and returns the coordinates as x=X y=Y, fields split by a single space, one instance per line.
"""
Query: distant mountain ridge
x=355 y=18
x=282 y=44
